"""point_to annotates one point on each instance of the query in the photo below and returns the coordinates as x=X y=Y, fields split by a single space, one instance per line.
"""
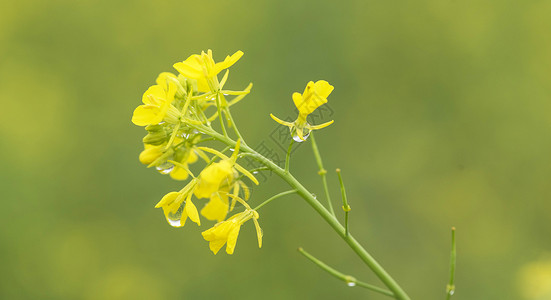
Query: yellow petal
x=190 y=68
x=217 y=208
x=191 y=211
x=258 y=230
x=152 y=94
x=145 y=115
x=150 y=154
x=281 y=121
x=216 y=245
x=167 y=199
x=192 y=157
x=297 y=99
x=228 y=62
x=246 y=173
x=322 y=88
x=316 y=127
x=232 y=239
x=202 y=85
x=163 y=79
x=179 y=173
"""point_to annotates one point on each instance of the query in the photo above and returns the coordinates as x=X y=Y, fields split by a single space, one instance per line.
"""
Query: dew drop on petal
x=174 y=219
x=298 y=139
x=165 y=168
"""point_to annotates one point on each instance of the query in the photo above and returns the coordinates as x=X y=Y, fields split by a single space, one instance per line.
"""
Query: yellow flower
x=203 y=68
x=315 y=95
x=228 y=231
x=214 y=176
x=177 y=206
x=157 y=106
x=180 y=171
x=217 y=208
x=151 y=153
x=221 y=174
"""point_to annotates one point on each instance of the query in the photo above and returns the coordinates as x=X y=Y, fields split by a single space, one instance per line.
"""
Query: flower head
x=213 y=177
x=157 y=106
x=217 y=208
x=217 y=180
x=315 y=95
x=204 y=69
x=227 y=232
x=177 y=206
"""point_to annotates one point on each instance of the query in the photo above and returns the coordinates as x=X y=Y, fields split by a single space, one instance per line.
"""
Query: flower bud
x=156 y=135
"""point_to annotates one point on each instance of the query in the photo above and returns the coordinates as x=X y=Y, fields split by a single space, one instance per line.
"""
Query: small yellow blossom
x=217 y=208
x=157 y=106
x=213 y=177
x=180 y=171
x=177 y=206
x=315 y=95
x=228 y=231
x=203 y=68
x=151 y=153
x=220 y=174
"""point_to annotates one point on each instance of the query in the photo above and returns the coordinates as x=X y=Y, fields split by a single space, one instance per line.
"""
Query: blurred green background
x=442 y=118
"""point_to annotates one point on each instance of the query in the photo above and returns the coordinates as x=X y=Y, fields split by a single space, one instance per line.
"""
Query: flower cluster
x=173 y=112
x=315 y=95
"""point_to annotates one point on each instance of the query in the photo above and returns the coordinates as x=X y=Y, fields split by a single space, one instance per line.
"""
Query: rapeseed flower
x=315 y=95
x=227 y=232
x=215 y=182
x=203 y=69
x=157 y=106
x=177 y=206
x=217 y=208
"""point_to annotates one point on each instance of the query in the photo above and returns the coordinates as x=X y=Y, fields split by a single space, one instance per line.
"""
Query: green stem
x=219 y=108
x=288 y=157
x=450 y=289
x=377 y=269
x=274 y=197
x=322 y=172
x=228 y=114
x=350 y=280
x=345 y=205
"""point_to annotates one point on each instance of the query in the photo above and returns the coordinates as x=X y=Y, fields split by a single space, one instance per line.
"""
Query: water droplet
x=305 y=135
x=232 y=149
x=174 y=219
x=298 y=139
x=174 y=223
x=351 y=283
x=255 y=172
x=165 y=168
x=451 y=292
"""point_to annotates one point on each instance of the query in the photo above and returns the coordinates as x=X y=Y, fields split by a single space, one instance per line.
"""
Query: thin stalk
x=345 y=205
x=349 y=280
x=173 y=135
x=322 y=172
x=377 y=269
x=219 y=108
x=275 y=197
x=228 y=114
x=450 y=289
x=288 y=157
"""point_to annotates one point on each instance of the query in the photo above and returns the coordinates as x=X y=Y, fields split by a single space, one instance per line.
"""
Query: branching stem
x=377 y=269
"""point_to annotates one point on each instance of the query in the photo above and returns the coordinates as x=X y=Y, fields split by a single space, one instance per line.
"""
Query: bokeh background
x=442 y=118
